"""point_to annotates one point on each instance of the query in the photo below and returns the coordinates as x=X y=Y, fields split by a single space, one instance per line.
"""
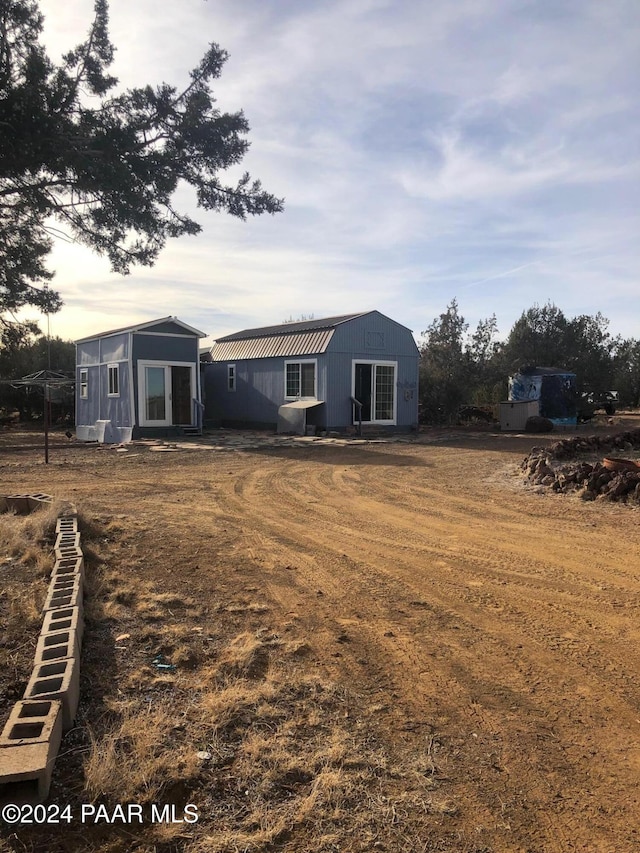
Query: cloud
x=483 y=149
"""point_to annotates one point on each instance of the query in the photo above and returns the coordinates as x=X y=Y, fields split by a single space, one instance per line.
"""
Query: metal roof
x=290 y=344
x=292 y=328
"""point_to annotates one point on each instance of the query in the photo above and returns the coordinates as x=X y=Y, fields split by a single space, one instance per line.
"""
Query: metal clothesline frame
x=45 y=379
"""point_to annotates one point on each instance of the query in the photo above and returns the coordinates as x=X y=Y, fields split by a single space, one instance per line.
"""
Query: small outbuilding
x=553 y=388
x=328 y=374
x=139 y=381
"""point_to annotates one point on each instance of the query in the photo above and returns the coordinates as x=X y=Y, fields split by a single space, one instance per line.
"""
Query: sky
x=482 y=150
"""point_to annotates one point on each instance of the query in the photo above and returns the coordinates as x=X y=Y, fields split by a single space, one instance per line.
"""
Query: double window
x=300 y=380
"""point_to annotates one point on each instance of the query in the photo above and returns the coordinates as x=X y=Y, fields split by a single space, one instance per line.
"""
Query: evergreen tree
x=105 y=164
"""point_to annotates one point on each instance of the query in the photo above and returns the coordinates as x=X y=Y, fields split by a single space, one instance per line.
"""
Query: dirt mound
x=590 y=477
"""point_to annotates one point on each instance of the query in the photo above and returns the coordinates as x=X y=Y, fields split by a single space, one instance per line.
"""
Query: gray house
x=330 y=374
x=142 y=380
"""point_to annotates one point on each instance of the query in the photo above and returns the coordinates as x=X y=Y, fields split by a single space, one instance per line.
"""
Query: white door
x=165 y=393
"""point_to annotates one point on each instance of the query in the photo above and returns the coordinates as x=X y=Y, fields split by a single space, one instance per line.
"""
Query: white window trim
x=231 y=367
x=113 y=366
x=302 y=361
x=84 y=383
x=377 y=362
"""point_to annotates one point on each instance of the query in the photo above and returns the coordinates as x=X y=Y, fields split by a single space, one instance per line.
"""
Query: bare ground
x=442 y=659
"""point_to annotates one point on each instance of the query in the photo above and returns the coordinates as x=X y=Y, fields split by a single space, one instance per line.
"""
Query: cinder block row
x=30 y=740
x=29 y=745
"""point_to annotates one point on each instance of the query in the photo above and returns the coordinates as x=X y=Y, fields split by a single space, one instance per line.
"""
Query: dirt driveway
x=491 y=628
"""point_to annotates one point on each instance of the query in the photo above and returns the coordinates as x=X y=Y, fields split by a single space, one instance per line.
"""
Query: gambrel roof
x=307 y=337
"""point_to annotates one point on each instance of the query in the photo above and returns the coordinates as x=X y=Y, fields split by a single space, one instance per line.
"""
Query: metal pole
x=46 y=424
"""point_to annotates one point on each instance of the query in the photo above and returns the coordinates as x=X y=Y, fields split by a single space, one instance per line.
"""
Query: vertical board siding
x=88 y=411
x=372 y=337
x=260 y=387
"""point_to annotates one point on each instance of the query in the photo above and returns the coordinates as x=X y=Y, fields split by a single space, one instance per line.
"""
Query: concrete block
x=70 y=539
x=37 y=501
x=58 y=679
x=65 y=595
x=66 y=582
x=31 y=721
x=64 y=619
x=76 y=568
x=67 y=552
x=67 y=524
x=3 y=504
x=57 y=599
x=68 y=564
x=18 y=504
x=29 y=745
x=56 y=646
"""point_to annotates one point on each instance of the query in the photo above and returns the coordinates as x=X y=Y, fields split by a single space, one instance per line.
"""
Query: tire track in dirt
x=284 y=520
x=501 y=622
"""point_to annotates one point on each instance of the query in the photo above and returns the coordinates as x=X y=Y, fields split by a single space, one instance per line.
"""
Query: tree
x=24 y=350
x=104 y=164
x=544 y=337
x=625 y=369
x=487 y=376
x=538 y=338
x=444 y=366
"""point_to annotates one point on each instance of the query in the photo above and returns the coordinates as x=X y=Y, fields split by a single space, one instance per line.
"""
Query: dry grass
x=286 y=766
x=138 y=756
x=26 y=540
x=26 y=559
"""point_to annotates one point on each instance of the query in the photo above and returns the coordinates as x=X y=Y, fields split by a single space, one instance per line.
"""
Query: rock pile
x=577 y=472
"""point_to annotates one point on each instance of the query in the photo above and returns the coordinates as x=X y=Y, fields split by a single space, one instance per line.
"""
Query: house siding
x=260 y=387
x=372 y=337
x=95 y=357
x=259 y=393
x=164 y=342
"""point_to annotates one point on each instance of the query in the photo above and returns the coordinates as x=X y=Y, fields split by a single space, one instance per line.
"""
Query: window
x=300 y=379
x=84 y=384
x=231 y=377
x=114 y=380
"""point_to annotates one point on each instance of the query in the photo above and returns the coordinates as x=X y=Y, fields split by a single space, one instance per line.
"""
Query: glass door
x=165 y=393
x=156 y=397
x=374 y=386
x=181 y=408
